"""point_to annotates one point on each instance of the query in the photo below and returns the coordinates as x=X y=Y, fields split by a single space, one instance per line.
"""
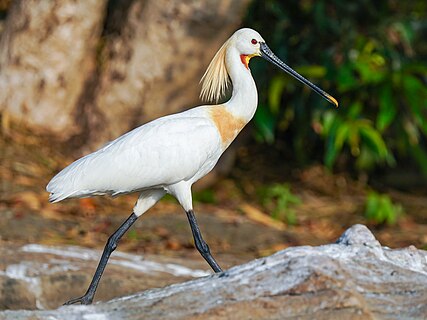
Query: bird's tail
x=57 y=193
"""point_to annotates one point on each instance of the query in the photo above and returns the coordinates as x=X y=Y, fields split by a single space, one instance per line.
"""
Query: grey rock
x=44 y=277
x=358 y=235
x=351 y=279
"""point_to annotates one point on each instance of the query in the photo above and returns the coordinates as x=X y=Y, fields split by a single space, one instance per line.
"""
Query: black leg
x=201 y=245
x=108 y=249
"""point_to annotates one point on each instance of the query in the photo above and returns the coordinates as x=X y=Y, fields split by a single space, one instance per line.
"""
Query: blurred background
x=76 y=74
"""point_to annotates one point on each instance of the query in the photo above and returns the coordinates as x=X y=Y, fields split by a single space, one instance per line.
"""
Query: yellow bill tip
x=333 y=100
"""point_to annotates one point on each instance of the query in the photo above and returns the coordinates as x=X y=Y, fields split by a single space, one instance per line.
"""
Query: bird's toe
x=82 y=300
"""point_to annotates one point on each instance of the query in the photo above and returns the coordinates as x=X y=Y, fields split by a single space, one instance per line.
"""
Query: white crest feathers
x=216 y=80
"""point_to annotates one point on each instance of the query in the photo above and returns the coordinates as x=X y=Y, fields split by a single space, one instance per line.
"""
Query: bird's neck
x=244 y=99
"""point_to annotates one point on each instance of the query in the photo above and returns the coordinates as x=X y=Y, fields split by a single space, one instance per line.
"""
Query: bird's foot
x=86 y=299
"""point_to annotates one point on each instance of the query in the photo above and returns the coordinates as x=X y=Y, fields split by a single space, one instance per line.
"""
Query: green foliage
x=279 y=199
x=369 y=55
x=205 y=196
x=202 y=196
x=380 y=209
x=169 y=199
x=359 y=134
x=132 y=235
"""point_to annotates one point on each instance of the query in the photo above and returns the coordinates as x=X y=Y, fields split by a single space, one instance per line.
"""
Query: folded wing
x=159 y=153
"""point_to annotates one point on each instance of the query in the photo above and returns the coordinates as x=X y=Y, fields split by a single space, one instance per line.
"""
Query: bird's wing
x=159 y=153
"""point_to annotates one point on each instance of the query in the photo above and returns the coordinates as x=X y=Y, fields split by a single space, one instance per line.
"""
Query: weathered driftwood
x=354 y=278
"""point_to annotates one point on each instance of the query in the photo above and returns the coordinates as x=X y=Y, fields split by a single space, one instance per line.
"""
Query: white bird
x=169 y=154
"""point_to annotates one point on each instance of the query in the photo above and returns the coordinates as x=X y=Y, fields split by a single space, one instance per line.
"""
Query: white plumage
x=169 y=154
x=150 y=156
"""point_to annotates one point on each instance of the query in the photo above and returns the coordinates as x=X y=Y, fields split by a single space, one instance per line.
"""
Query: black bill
x=268 y=55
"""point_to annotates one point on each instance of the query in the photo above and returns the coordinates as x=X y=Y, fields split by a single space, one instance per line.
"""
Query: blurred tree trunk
x=47 y=51
x=92 y=70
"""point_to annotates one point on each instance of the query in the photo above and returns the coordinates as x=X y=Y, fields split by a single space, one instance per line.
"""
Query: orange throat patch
x=245 y=60
x=227 y=124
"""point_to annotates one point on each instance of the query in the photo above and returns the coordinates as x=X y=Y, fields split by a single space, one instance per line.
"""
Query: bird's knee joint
x=203 y=247
x=112 y=243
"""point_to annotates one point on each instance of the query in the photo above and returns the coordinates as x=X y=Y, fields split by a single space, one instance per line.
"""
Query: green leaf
x=373 y=137
x=416 y=95
x=341 y=136
x=330 y=156
x=406 y=31
x=345 y=78
x=354 y=110
x=388 y=110
x=366 y=159
x=354 y=140
x=279 y=199
x=277 y=85
x=328 y=120
x=312 y=71
x=265 y=123
x=368 y=74
x=380 y=209
x=420 y=156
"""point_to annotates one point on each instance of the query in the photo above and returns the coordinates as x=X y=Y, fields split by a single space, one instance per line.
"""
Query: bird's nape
x=268 y=55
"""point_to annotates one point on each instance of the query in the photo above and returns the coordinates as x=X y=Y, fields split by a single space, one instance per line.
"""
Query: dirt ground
x=232 y=218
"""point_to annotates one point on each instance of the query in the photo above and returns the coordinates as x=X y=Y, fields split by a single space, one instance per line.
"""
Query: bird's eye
x=253 y=41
